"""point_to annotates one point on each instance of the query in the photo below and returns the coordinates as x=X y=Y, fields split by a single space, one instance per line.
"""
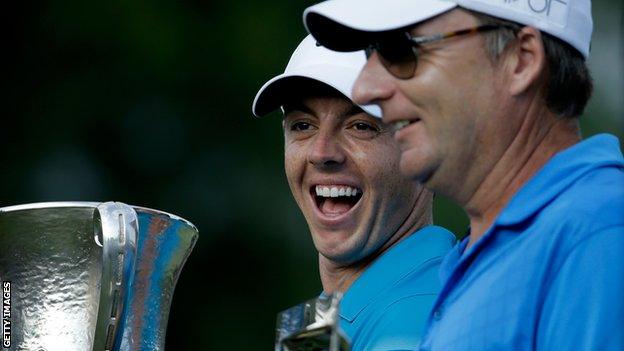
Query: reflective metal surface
x=165 y=242
x=311 y=326
x=50 y=257
x=90 y=276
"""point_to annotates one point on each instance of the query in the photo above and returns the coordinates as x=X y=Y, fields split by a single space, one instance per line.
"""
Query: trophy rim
x=90 y=204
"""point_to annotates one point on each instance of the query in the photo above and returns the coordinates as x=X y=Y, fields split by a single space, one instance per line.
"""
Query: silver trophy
x=89 y=276
x=311 y=326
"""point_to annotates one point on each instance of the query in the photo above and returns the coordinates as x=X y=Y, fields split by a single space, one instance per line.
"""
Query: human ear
x=527 y=61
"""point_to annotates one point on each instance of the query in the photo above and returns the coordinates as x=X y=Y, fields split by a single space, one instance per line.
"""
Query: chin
x=340 y=258
x=340 y=253
x=411 y=171
x=416 y=169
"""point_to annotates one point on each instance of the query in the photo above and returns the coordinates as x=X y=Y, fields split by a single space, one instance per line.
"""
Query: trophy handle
x=116 y=230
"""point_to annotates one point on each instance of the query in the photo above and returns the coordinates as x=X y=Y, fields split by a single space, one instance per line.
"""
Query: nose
x=374 y=84
x=326 y=150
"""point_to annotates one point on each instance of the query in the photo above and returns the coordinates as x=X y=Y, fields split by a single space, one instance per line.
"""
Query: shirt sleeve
x=584 y=307
x=399 y=327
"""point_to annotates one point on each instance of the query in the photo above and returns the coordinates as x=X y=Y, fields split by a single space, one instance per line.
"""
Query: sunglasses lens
x=397 y=55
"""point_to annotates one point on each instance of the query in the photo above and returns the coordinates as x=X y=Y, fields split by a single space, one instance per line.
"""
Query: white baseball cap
x=338 y=70
x=345 y=25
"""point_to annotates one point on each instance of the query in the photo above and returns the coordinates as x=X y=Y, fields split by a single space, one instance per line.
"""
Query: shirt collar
x=406 y=256
x=451 y=259
x=559 y=173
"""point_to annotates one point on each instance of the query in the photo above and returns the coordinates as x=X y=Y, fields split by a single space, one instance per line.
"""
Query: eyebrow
x=299 y=106
x=296 y=106
x=354 y=110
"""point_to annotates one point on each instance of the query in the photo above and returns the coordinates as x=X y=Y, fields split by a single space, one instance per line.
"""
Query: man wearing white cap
x=370 y=225
x=485 y=96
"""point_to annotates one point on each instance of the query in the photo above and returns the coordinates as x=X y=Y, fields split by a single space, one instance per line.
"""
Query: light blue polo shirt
x=549 y=273
x=387 y=306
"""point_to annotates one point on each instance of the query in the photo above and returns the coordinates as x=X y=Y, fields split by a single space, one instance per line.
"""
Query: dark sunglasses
x=398 y=51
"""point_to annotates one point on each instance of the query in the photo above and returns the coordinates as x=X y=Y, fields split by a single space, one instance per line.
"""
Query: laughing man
x=370 y=225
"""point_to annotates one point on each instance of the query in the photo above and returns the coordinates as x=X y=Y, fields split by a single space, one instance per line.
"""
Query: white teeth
x=400 y=125
x=325 y=192
x=335 y=191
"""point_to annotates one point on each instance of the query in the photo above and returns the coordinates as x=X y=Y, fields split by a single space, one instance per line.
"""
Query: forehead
x=317 y=98
x=323 y=107
x=301 y=89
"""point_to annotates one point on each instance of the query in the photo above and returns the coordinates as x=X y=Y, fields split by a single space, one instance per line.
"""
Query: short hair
x=569 y=83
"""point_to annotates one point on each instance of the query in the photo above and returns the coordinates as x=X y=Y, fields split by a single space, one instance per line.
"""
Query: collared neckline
x=555 y=176
x=602 y=150
x=406 y=256
x=450 y=260
x=559 y=173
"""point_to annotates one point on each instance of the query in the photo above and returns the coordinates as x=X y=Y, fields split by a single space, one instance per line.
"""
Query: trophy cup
x=311 y=326
x=89 y=276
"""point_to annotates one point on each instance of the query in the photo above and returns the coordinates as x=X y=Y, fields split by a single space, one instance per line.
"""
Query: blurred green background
x=148 y=102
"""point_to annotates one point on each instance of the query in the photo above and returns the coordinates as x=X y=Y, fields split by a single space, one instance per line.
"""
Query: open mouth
x=403 y=123
x=335 y=200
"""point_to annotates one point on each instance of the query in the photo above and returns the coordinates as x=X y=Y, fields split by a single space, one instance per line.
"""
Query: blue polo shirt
x=549 y=273
x=387 y=306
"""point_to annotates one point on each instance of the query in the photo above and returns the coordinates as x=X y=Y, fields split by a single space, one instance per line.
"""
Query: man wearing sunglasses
x=485 y=97
x=371 y=226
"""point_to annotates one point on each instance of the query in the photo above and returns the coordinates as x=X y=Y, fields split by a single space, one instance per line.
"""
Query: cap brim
x=274 y=92
x=347 y=25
